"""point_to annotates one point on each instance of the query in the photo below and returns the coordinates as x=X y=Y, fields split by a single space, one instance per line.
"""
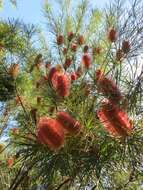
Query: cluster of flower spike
x=115 y=120
x=52 y=131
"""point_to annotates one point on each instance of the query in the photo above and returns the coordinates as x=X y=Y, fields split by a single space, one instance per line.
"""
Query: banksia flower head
x=70 y=124
x=86 y=60
x=60 y=39
x=126 y=46
x=112 y=35
x=70 y=36
x=14 y=70
x=50 y=132
x=115 y=120
x=108 y=87
x=81 y=40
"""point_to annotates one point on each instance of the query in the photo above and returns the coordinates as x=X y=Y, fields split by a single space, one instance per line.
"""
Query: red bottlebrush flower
x=112 y=35
x=10 y=162
x=74 y=76
x=86 y=60
x=119 y=55
x=65 y=50
x=126 y=46
x=115 y=120
x=68 y=62
x=86 y=48
x=63 y=85
x=74 y=47
x=70 y=36
x=53 y=74
x=108 y=87
x=50 y=132
x=70 y=124
x=81 y=40
x=79 y=72
x=60 y=39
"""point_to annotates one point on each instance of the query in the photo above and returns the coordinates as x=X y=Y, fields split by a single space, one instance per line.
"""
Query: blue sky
x=30 y=11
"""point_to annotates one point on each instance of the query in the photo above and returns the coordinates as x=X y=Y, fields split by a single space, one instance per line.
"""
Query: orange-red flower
x=86 y=60
x=70 y=36
x=108 y=87
x=112 y=35
x=115 y=120
x=50 y=132
x=126 y=46
x=81 y=40
x=63 y=85
x=74 y=76
x=68 y=62
x=70 y=124
x=60 y=39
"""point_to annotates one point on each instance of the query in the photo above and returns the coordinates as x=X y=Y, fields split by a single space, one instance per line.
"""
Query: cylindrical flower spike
x=81 y=40
x=70 y=124
x=115 y=120
x=126 y=46
x=86 y=60
x=112 y=35
x=60 y=39
x=63 y=85
x=50 y=132
x=74 y=76
x=108 y=87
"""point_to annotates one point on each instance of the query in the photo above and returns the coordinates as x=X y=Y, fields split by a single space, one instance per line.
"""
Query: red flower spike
x=60 y=39
x=50 y=132
x=86 y=61
x=108 y=87
x=79 y=72
x=115 y=120
x=86 y=48
x=70 y=36
x=112 y=35
x=68 y=62
x=119 y=55
x=126 y=46
x=63 y=85
x=74 y=76
x=65 y=50
x=70 y=125
x=74 y=47
x=81 y=40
